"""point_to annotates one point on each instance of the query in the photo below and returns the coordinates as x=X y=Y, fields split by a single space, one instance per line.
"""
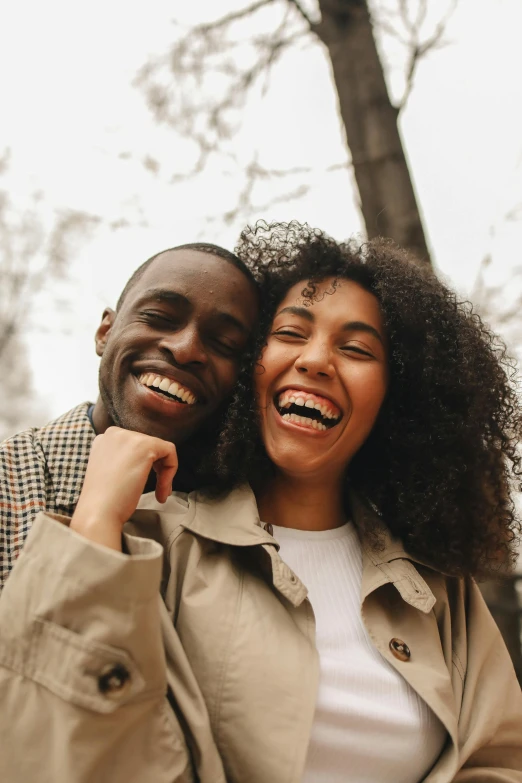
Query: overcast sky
x=79 y=132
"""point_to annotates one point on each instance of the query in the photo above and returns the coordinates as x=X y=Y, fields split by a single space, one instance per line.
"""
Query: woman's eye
x=357 y=350
x=287 y=333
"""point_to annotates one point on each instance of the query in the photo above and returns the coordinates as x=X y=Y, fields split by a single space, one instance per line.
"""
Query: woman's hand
x=119 y=465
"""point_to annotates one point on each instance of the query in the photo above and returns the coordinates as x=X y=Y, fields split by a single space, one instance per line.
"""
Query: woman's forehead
x=344 y=292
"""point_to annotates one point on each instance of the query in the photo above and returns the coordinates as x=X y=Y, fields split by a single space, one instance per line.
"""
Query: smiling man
x=170 y=356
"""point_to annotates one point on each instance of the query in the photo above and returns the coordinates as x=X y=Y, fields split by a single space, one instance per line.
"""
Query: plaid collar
x=66 y=443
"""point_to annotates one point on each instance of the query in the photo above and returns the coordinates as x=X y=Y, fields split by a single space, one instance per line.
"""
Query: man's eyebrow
x=349 y=326
x=174 y=298
x=165 y=295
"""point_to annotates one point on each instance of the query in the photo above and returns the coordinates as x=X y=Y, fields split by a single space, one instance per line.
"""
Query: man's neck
x=100 y=417
x=302 y=504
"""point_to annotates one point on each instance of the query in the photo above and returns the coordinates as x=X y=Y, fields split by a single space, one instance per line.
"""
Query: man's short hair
x=202 y=247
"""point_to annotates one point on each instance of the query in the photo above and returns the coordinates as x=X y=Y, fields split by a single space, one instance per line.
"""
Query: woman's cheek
x=370 y=395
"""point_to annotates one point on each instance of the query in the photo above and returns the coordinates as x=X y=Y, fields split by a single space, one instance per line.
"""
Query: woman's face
x=323 y=378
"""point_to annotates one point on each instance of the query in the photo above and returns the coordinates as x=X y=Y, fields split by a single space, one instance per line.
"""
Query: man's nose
x=315 y=360
x=185 y=345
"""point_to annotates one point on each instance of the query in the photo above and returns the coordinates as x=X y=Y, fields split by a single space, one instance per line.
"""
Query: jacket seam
x=173 y=536
x=311 y=627
x=215 y=718
x=457 y=663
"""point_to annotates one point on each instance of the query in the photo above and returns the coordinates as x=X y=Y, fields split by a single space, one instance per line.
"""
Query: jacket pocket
x=81 y=671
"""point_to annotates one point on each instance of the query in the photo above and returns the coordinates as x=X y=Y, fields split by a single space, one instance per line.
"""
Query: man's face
x=170 y=356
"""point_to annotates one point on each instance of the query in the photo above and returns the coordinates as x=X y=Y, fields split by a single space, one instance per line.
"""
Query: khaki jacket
x=101 y=681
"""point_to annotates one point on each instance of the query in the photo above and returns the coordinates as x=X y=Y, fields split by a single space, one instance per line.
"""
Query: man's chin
x=177 y=435
x=154 y=415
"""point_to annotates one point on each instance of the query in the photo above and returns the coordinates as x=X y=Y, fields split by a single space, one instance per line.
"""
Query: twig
x=417 y=48
x=235 y=16
x=297 y=5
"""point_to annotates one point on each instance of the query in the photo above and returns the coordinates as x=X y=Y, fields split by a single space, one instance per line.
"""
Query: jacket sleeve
x=23 y=493
x=82 y=665
x=490 y=724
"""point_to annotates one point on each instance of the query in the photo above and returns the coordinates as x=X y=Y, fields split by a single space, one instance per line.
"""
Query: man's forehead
x=188 y=278
x=179 y=267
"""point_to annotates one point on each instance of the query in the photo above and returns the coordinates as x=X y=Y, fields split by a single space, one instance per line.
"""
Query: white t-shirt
x=370 y=726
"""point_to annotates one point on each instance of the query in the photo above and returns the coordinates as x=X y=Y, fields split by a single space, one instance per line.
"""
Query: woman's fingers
x=165 y=468
x=119 y=464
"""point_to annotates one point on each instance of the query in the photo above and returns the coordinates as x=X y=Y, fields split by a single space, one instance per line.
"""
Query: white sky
x=69 y=111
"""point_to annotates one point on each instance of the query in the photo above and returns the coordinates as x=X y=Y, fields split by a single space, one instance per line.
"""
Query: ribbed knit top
x=370 y=726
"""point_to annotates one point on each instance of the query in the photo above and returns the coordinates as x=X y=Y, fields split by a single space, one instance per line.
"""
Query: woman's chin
x=297 y=450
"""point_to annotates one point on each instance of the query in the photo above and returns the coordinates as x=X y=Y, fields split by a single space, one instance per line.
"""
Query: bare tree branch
x=30 y=254
x=202 y=86
x=235 y=16
x=499 y=304
x=206 y=54
x=419 y=48
x=298 y=6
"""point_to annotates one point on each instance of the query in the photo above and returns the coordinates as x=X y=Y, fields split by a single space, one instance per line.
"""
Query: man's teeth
x=287 y=399
x=304 y=420
x=167 y=385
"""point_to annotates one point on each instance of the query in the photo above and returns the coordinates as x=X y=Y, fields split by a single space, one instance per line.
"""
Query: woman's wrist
x=101 y=531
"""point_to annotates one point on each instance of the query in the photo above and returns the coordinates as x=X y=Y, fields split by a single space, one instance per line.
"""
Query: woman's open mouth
x=307 y=410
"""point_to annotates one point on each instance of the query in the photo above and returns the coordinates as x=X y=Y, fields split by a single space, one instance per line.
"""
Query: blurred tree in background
x=202 y=84
x=31 y=254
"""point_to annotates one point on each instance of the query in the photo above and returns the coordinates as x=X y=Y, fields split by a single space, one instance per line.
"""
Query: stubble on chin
x=111 y=407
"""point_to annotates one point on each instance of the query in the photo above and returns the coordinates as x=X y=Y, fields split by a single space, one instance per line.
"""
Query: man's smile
x=168 y=388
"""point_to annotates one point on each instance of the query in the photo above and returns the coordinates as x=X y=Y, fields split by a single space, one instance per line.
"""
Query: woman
x=377 y=426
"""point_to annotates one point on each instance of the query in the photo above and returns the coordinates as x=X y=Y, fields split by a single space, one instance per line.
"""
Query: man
x=170 y=357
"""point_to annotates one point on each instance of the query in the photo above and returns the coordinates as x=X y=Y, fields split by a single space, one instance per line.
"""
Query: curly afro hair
x=441 y=462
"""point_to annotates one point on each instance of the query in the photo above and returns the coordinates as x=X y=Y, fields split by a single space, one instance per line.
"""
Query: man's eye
x=226 y=348
x=153 y=317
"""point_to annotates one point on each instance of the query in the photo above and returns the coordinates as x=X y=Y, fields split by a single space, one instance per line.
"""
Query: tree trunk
x=388 y=203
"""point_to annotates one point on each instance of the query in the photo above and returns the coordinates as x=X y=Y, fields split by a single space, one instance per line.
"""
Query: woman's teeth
x=308 y=410
x=167 y=386
x=304 y=421
x=326 y=408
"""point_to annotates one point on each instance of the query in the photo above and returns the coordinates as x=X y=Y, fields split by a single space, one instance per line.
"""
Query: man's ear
x=103 y=331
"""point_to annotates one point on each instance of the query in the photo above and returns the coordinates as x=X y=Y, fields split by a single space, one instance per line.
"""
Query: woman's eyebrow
x=302 y=312
x=349 y=326
x=361 y=326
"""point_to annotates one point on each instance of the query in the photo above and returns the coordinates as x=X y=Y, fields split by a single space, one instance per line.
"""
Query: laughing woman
x=322 y=624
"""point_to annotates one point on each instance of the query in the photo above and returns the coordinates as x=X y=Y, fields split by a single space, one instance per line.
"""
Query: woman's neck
x=302 y=504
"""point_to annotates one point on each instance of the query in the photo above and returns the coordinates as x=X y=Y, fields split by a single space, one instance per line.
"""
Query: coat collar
x=388 y=561
x=234 y=520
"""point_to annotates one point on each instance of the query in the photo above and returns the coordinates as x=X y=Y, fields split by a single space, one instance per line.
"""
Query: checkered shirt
x=41 y=469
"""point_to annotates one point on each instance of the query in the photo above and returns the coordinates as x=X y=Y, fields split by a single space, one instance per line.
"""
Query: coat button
x=400 y=649
x=269 y=529
x=114 y=680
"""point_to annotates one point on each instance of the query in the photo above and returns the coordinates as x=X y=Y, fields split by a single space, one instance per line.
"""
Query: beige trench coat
x=101 y=681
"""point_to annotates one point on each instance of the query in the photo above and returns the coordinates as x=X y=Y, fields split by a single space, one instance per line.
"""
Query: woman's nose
x=315 y=360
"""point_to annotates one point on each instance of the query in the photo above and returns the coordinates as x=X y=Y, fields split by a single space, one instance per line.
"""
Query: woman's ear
x=103 y=331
